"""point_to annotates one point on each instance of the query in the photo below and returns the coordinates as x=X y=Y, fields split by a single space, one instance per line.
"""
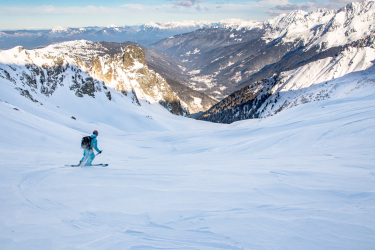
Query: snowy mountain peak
x=331 y=28
x=239 y=24
x=59 y=30
x=174 y=24
x=112 y=26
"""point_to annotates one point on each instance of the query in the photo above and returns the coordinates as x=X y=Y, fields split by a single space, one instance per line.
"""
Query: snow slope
x=303 y=179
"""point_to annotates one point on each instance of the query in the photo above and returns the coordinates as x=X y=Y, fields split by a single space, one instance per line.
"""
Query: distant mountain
x=221 y=60
x=144 y=34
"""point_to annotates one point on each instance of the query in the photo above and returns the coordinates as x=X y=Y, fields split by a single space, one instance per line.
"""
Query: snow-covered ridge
x=239 y=24
x=335 y=77
x=126 y=72
x=59 y=29
x=324 y=27
x=234 y=22
x=177 y=25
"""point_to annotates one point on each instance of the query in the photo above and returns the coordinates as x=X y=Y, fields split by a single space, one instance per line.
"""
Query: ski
x=92 y=165
x=99 y=165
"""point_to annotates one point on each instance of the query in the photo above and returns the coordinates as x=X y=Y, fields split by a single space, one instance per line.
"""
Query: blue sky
x=43 y=14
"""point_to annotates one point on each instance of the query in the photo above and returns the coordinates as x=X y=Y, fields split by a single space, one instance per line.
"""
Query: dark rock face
x=242 y=104
x=47 y=79
x=188 y=96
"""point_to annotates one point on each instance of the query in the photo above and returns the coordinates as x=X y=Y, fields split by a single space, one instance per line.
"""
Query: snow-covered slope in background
x=331 y=77
x=303 y=179
x=349 y=71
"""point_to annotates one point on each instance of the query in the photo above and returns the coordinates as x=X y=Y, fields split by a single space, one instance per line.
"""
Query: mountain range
x=258 y=64
x=221 y=60
x=144 y=34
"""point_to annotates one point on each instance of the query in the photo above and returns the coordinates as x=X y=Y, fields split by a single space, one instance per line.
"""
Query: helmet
x=96 y=132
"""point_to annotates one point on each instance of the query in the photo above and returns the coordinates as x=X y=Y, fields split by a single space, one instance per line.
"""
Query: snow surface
x=302 y=179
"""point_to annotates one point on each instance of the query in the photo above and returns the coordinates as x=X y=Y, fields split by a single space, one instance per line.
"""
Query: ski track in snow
x=302 y=179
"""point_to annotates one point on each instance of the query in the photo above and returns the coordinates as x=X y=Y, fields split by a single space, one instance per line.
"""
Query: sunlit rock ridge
x=45 y=71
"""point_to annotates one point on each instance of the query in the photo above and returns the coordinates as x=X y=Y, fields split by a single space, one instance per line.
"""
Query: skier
x=88 y=152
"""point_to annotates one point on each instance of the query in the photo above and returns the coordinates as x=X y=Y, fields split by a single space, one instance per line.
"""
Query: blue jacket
x=94 y=143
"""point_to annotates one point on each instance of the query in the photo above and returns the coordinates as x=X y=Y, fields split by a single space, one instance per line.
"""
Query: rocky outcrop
x=242 y=104
x=87 y=55
x=34 y=73
x=128 y=72
x=88 y=72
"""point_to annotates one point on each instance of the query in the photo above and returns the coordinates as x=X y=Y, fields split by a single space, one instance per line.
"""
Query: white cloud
x=341 y=1
x=184 y=3
x=272 y=2
x=133 y=6
x=306 y=6
x=188 y=3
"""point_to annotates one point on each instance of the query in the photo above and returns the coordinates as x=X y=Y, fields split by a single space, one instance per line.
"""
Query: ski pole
x=99 y=153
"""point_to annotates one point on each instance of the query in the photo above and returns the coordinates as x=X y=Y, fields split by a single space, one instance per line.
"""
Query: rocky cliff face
x=161 y=64
x=44 y=70
x=242 y=104
x=35 y=73
x=128 y=72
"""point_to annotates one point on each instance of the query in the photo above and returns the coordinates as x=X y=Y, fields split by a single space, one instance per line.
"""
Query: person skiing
x=88 y=146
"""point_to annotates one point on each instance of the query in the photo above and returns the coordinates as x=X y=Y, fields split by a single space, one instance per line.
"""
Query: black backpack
x=86 y=142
